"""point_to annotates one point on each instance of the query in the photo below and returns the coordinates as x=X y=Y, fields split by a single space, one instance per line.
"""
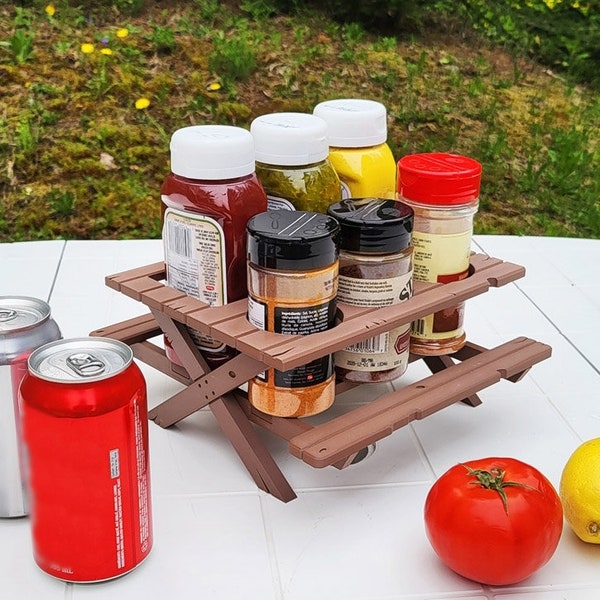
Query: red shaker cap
x=439 y=178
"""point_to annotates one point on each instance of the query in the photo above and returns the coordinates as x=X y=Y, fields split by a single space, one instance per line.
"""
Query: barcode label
x=115 y=467
x=374 y=345
x=180 y=239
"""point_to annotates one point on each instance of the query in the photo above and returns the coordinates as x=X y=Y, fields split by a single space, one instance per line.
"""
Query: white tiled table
x=351 y=534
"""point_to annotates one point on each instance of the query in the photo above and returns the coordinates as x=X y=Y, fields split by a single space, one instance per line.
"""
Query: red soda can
x=25 y=324
x=85 y=426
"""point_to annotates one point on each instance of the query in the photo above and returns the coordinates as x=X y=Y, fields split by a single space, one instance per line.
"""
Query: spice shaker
x=443 y=190
x=292 y=161
x=358 y=148
x=375 y=269
x=207 y=199
x=292 y=287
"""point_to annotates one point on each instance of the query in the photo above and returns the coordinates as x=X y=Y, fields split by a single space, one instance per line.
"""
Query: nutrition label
x=195 y=256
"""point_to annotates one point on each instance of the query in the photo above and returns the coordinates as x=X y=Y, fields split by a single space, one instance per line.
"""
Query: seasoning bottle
x=443 y=190
x=358 y=149
x=292 y=286
x=292 y=161
x=207 y=199
x=375 y=270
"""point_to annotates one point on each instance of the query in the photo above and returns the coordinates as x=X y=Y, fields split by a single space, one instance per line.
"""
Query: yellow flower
x=142 y=103
x=214 y=86
x=122 y=33
x=106 y=51
x=50 y=10
x=87 y=48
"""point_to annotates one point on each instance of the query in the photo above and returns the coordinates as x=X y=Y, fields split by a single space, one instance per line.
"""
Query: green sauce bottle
x=292 y=161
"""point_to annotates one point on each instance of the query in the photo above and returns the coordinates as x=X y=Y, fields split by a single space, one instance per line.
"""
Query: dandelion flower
x=122 y=33
x=106 y=51
x=87 y=48
x=214 y=86
x=142 y=103
x=50 y=10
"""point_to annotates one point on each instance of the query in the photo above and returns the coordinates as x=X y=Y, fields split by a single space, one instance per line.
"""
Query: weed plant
x=92 y=92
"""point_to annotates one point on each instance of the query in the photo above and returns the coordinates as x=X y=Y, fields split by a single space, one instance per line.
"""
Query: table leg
x=250 y=448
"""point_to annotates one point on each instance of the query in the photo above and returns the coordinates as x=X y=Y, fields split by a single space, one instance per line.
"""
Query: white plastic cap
x=290 y=139
x=213 y=152
x=353 y=122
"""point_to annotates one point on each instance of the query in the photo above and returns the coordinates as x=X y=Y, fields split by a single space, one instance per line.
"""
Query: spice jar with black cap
x=292 y=288
x=375 y=270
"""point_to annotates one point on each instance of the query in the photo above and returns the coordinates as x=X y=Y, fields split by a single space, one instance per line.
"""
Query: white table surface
x=351 y=534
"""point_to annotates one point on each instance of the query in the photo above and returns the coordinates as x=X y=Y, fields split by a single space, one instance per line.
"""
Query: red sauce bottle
x=207 y=200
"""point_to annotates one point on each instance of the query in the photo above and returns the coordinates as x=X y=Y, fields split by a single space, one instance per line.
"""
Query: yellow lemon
x=580 y=491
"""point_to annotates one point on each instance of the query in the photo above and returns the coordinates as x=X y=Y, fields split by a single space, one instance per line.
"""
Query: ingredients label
x=437 y=255
x=305 y=320
x=195 y=256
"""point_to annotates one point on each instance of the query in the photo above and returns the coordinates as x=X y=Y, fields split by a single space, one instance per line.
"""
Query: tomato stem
x=494 y=480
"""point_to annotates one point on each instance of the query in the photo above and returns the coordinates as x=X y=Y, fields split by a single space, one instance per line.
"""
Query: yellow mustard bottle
x=358 y=148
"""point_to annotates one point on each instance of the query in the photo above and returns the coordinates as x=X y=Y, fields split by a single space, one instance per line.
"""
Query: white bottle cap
x=213 y=152
x=353 y=122
x=290 y=139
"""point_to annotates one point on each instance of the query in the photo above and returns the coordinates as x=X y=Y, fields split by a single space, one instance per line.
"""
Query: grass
x=92 y=96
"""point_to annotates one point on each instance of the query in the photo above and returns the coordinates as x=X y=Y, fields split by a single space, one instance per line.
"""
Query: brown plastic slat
x=154 y=271
x=336 y=439
x=300 y=350
x=131 y=331
x=229 y=324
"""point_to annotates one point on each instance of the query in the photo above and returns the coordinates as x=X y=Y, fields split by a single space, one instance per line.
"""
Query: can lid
x=292 y=240
x=18 y=313
x=373 y=225
x=80 y=360
x=354 y=122
x=290 y=139
x=439 y=178
x=212 y=152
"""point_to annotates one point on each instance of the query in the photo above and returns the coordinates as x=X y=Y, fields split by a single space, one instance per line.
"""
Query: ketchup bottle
x=207 y=200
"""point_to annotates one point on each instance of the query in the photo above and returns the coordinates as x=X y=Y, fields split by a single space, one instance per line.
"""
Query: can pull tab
x=7 y=314
x=86 y=365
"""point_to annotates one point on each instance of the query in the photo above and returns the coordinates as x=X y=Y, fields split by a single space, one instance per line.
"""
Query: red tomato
x=493 y=520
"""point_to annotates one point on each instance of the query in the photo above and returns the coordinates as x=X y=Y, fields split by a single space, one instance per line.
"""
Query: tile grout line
x=548 y=319
x=558 y=330
x=272 y=551
x=58 y=266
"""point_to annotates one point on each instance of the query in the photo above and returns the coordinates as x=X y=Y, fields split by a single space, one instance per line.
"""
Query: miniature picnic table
x=455 y=377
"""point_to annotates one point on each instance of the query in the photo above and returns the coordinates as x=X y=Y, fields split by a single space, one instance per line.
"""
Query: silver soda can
x=25 y=324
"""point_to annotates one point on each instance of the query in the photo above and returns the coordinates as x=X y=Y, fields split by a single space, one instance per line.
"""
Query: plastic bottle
x=359 y=152
x=292 y=161
x=207 y=200
x=443 y=190
x=292 y=286
x=375 y=270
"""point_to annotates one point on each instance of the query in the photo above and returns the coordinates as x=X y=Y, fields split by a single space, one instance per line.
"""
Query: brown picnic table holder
x=456 y=377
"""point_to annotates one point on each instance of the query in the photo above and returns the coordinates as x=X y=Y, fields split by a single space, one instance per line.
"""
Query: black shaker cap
x=292 y=240
x=373 y=225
